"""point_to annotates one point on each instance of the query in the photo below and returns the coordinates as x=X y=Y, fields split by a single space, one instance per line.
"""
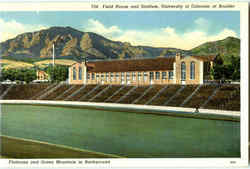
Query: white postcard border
x=155 y=162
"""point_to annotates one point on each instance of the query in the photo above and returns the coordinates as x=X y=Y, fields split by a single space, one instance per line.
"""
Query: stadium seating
x=3 y=87
x=107 y=93
x=68 y=92
x=165 y=95
x=94 y=92
x=82 y=92
x=150 y=94
x=134 y=94
x=21 y=91
x=221 y=97
x=187 y=91
x=234 y=102
x=119 y=94
x=209 y=96
x=57 y=92
x=201 y=96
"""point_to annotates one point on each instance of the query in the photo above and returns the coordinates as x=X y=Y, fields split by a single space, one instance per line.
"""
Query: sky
x=179 y=29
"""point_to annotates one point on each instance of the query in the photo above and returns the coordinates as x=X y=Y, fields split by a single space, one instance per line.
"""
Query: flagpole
x=53 y=54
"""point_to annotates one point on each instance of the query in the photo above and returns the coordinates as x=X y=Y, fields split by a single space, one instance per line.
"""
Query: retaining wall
x=123 y=106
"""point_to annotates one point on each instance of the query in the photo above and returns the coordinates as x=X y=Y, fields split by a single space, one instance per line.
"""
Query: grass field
x=57 y=61
x=23 y=148
x=7 y=64
x=121 y=133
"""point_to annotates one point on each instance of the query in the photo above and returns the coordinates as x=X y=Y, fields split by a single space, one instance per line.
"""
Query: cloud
x=98 y=27
x=162 y=37
x=202 y=24
x=10 y=29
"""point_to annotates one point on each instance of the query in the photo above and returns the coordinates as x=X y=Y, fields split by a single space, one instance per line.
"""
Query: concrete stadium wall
x=123 y=106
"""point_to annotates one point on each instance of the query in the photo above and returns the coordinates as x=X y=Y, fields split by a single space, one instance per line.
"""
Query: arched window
x=183 y=71
x=80 y=73
x=192 y=70
x=164 y=75
x=74 y=73
x=93 y=76
x=151 y=75
x=145 y=76
x=157 y=75
x=139 y=75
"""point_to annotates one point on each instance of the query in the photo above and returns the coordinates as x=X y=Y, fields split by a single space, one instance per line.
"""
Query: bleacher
x=22 y=91
x=198 y=99
x=105 y=95
x=81 y=92
x=94 y=92
x=118 y=95
x=134 y=94
x=3 y=88
x=57 y=92
x=155 y=89
x=233 y=103
x=67 y=93
x=209 y=96
x=165 y=95
x=187 y=91
x=222 y=97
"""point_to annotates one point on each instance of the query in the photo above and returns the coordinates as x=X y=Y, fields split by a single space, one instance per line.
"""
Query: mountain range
x=73 y=44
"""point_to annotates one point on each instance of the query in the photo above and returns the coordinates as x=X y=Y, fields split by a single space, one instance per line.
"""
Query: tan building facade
x=41 y=75
x=176 y=70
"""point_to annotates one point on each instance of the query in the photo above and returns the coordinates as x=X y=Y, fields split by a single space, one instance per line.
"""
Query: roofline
x=129 y=59
x=151 y=58
x=206 y=57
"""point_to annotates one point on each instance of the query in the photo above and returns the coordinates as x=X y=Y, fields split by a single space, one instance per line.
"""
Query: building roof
x=153 y=64
x=131 y=65
x=205 y=58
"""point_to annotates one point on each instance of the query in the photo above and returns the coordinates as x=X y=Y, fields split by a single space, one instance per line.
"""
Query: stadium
x=143 y=100
x=58 y=120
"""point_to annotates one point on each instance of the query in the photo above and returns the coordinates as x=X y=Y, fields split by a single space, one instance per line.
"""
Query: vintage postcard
x=130 y=84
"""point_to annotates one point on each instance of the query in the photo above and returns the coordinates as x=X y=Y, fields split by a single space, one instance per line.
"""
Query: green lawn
x=124 y=134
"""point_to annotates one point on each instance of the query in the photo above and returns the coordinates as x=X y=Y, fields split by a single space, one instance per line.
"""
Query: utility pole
x=55 y=42
x=53 y=54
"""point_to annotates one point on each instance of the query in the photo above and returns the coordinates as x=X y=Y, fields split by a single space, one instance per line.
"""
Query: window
x=157 y=75
x=80 y=73
x=111 y=76
x=117 y=76
x=93 y=76
x=102 y=76
x=128 y=76
x=139 y=75
x=122 y=76
x=74 y=73
x=192 y=70
x=171 y=75
x=151 y=75
x=164 y=75
x=145 y=76
x=107 y=76
x=97 y=76
x=133 y=76
x=183 y=71
x=88 y=76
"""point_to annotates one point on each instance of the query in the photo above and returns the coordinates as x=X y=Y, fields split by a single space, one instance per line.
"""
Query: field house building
x=172 y=70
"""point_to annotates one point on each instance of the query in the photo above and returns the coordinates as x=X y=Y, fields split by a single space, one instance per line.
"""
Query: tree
x=26 y=75
x=218 y=70
x=57 y=73
x=221 y=71
x=235 y=68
